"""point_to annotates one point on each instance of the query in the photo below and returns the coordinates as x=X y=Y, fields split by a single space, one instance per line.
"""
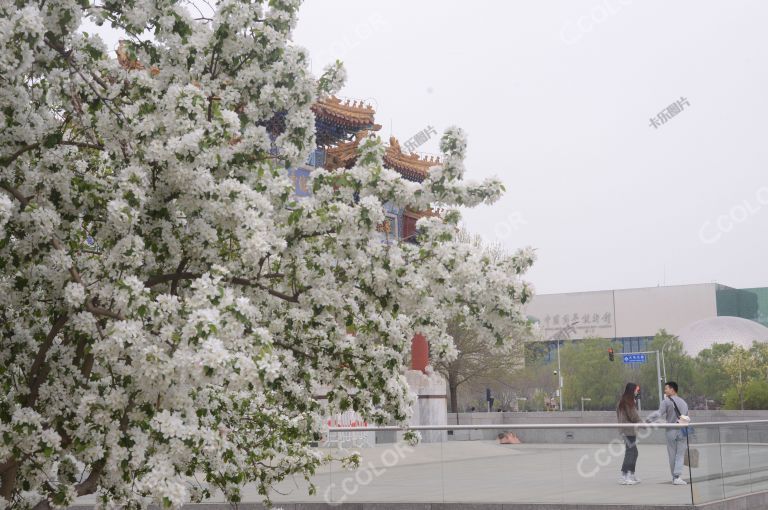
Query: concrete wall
x=748 y=502
x=642 y=312
x=625 y=312
x=593 y=310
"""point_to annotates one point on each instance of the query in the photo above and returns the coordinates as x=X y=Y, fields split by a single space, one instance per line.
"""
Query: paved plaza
x=487 y=472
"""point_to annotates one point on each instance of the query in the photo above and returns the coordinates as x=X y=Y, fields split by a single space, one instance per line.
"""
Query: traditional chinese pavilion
x=340 y=127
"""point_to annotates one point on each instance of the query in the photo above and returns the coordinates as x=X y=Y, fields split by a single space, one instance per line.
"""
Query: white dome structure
x=702 y=334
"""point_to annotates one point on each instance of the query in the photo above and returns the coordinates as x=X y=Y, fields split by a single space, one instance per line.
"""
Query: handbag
x=691 y=458
x=685 y=430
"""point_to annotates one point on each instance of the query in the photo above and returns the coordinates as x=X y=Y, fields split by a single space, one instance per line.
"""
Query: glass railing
x=732 y=460
x=549 y=463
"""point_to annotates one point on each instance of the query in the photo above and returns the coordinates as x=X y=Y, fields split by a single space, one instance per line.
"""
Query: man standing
x=673 y=409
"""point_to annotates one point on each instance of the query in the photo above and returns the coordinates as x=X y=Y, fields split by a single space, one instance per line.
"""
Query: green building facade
x=749 y=304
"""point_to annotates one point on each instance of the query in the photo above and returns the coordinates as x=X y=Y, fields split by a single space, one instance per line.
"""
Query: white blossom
x=74 y=294
x=166 y=303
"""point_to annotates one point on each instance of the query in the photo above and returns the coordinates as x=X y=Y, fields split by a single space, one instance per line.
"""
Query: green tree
x=528 y=381
x=755 y=396
x=536 y=401
x=587 y=372
x=710 y=380
x=741 y=367
x=759 y=352
x=679 y=368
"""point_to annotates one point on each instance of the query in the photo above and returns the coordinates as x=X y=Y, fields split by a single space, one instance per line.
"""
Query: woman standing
x=627 y=413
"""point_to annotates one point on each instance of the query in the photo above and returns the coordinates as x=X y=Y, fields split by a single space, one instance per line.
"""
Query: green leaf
x=93 y=52
x=52 y=139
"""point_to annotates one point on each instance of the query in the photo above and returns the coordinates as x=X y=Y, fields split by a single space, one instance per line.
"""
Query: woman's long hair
x=627 y=401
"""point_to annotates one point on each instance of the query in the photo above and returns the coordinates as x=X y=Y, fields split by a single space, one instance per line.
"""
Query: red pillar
x=419 y=353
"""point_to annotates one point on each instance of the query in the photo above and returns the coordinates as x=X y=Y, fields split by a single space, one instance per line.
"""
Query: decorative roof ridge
x=345 y=152
x=397 y=159
x=128 y=63
x=352 y=111
x=346 y=104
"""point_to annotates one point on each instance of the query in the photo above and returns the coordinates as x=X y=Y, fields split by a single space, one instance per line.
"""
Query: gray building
x=632 y=317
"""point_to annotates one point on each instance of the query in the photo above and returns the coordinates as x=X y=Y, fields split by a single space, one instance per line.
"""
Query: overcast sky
x=557 y=99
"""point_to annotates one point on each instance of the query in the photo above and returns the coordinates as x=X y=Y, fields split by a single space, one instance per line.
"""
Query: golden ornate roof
x=411 y=166
x=344 y=154
x=355 y=113
x=126 y=62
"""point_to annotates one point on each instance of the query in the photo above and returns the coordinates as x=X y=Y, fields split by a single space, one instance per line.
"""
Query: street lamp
x=582 y=402
x=663 y=364
x=565 y=331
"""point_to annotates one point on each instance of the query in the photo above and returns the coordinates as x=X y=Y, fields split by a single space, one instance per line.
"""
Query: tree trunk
x=8 y=479
x=453 y=385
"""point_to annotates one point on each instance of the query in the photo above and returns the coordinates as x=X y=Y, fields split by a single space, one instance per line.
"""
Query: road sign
x=634 y=358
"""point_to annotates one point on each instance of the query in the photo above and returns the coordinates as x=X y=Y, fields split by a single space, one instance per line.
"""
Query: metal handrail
x=519 y=426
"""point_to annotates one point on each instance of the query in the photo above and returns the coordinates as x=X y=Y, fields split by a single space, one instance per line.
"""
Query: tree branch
x=82 y=145
x=90 y=306
x=172 y=277
x=39 y=370
x=8 y=480
x=90 y=484
x=6 y=161
x=179 y=269
x=15 y=193
x=68 y=58
x=292 y=298
x=102 y=312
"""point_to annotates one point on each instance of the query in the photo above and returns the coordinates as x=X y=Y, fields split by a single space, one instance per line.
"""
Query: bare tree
x=476 y=358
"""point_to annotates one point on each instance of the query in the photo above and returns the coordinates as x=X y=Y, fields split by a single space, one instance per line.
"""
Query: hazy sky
x=557 y=99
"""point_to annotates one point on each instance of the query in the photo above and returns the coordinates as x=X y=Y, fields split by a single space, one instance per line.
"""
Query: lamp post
x=583 y=399
x=565 y=332
x=664 y=365
x=560 y=378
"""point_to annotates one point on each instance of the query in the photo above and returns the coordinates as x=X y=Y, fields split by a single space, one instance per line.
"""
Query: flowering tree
x=475 y=357
x=169 y=311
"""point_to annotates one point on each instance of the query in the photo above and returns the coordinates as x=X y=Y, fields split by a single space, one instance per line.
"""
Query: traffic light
x=610 y=353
